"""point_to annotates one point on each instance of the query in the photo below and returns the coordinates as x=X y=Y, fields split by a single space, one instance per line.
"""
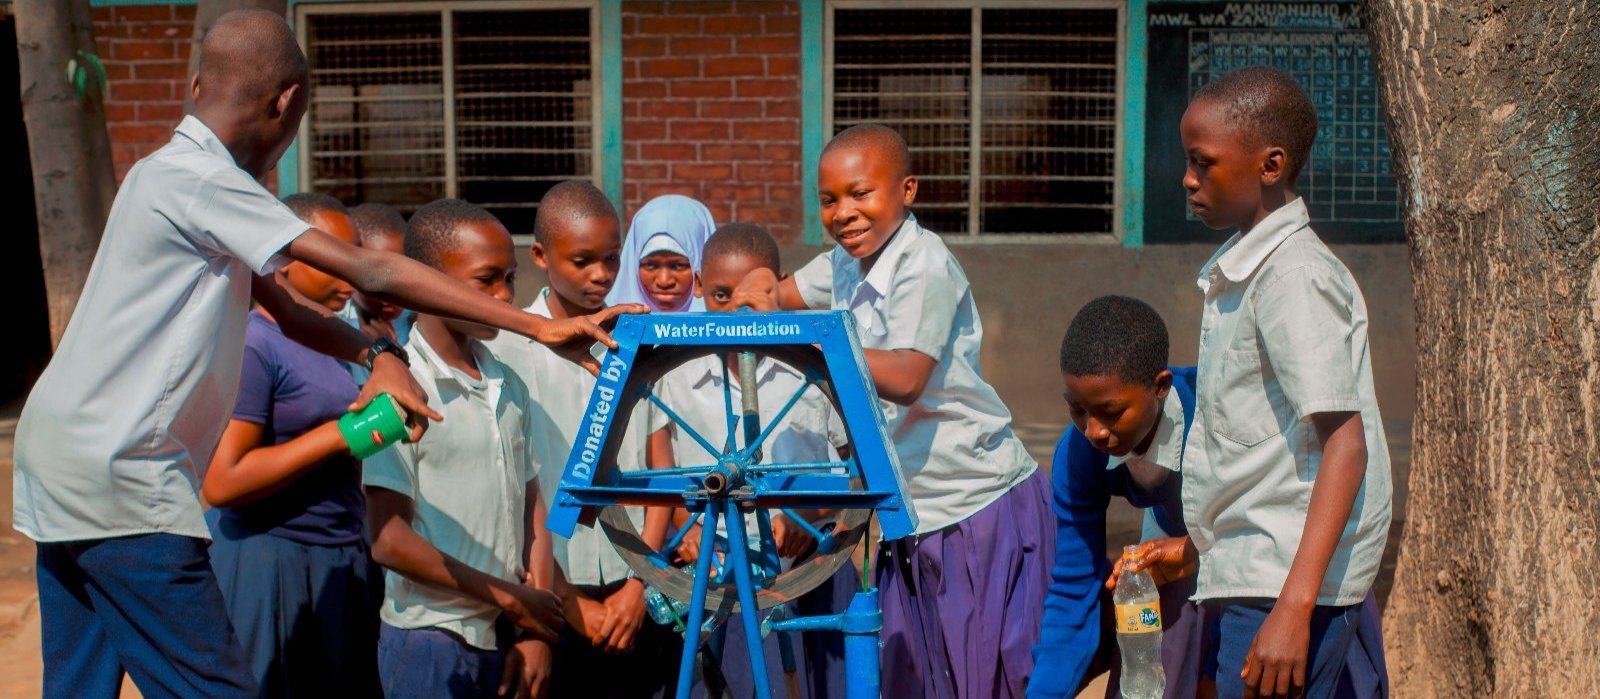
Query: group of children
x=1264 y=469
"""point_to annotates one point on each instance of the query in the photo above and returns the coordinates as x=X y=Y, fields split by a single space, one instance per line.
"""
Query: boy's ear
x=699 y=287
x=1163 y=383
x=194 y=88
x=1274 y=164
x=908 y=189
x=283 y=107
x=536 y=252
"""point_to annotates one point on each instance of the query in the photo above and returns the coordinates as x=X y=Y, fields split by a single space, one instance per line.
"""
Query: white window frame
x=975 y=208
x=447 y=10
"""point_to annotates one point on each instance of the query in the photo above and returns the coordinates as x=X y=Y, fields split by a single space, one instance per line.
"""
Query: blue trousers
x=145 y=605
x=306 y=615
x=1230 y=630
x=428 y=663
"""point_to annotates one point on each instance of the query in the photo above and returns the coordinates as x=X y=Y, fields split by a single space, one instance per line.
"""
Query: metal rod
x=681 y=423
x=697 y=604
x=752 y=446
x=749 y=614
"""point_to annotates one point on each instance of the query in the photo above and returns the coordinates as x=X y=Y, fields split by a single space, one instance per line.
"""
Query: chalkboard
x=1348 y=183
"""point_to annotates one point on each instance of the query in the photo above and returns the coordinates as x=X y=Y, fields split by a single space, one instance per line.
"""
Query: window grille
x=492 y=102
x=1039 y=156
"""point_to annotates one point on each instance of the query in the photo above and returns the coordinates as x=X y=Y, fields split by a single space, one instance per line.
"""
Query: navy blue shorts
x=145 y=605
x=1230 y=630
x=429 y=663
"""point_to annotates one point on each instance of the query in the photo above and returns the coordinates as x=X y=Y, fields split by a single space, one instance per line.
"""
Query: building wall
x=145 y=49
x=711 y=108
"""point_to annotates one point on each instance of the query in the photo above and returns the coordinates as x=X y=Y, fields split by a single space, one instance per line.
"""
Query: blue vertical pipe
x=738 y=557
x=863 y=620
x=697 y=602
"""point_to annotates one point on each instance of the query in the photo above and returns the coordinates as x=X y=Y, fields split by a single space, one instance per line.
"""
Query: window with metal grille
x=1039 y=155
x=492 y=102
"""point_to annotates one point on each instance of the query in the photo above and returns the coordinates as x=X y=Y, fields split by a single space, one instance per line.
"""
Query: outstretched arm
x=244 y=471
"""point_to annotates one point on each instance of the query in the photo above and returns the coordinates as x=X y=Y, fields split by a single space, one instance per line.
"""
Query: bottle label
x=1138 y=618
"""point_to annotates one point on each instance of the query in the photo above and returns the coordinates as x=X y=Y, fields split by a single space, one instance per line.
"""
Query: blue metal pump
x=864 y=483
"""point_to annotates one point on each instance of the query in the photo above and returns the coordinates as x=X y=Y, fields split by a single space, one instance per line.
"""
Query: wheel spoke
x=776 y=420
x=672 y=415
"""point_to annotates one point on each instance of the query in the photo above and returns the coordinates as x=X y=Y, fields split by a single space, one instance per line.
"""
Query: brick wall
x=711 y=108
x=145 y=49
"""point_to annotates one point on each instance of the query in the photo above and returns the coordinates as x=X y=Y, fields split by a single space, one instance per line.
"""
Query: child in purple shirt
x=289 y=544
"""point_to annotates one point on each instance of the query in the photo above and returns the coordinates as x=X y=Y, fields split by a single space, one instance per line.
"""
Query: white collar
x=1166 y=447
x=882 y=273
x=1243 y=254
x=195 y=130
x=441 y=371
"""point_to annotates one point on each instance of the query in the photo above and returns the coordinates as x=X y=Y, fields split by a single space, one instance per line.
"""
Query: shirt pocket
x=1249 y=407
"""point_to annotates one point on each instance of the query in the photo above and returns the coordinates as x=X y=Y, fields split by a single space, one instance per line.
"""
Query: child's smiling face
x=1226 y=174
x=1116 y=416
x=582 y=258
x=864 y=195
x=482 y=258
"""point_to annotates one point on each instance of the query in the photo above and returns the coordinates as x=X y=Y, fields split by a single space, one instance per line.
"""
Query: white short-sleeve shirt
x=955 y=442
x=810 y=432
x=135 y=399
x=467 y=479
x=1283 y=336
x=560 y=393
x=1166 y=451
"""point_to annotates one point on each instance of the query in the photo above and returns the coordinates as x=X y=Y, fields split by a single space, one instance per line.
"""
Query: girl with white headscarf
x=662 y=255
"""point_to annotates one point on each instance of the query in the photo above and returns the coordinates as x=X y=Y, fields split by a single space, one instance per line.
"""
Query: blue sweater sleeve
x=1070 y=632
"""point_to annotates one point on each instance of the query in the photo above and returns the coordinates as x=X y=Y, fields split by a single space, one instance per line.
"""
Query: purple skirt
x=962 y=605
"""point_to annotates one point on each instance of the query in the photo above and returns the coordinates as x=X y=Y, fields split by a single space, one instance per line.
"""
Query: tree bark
x=73 y=180
x=1493 y=112
x=205 y=15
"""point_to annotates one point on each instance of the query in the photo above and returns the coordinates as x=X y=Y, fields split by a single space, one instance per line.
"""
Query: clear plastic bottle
x=664 y=610
x=1138 y=614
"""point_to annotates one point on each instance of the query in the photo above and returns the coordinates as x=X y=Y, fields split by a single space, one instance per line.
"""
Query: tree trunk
x=73 y=180
x=1493 y=110
x=205 y=15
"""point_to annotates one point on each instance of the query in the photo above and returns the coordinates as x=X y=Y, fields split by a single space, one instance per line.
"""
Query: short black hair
x=432 y=231
x=308 y=204
x=1116 y=336
x=742 y=239
x=1269 y=106
x=571 y=200
x=373 y=220
x=251 y=54
x=878 y=138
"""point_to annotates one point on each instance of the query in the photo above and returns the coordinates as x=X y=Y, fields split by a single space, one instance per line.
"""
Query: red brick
x=630 y=192
x=669 y=25
x=734 y=65
x=183 y=13
x=630 y=150
x=111 y=30
x=760 y=7
x=654 y=190
x=630 y=24
x=142 y=50
x=736 y=193
x=758 y=172
x=166 y=70
x=642 y=89
x=766 y=131
x=734 y=24
x=160 y=32
x=661 y=109
x=644 y=46
x=142 y=13
x=171 y=112
x=119 y=112
x=780 y=66
x=730 y=151
x=783 y=193
x=763 y=214
x=102 y=15
x=698 y=130
x=701 y=171
x=683 y=7
x=782 y=24
x=768 y=44
x=135 y=91
x=102 y=46
x=183 y=50
x=118 y=71
x=630 y=70
x=781 y=153
x=630 y=109
x=767 y=88
x=701 y=88
x=139 y=133
x=701 y=46
x=638 y=130
x=645 y=171
x=669 y=68
x=731 y=109
x=720 y=212
x=666 y=151
x=783 y=109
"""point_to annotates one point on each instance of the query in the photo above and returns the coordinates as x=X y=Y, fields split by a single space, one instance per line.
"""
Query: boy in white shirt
x=810 y=433
x=1286 y=472
x=981 y=501
x=144 y=380
x=454 y=514
x=578 y=243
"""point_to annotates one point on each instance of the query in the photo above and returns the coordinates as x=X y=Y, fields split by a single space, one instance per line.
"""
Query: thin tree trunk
x=206 y=14
x=1493 y=110
x=73 y=180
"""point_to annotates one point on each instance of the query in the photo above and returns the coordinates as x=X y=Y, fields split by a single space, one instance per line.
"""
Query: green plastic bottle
x=374 y=428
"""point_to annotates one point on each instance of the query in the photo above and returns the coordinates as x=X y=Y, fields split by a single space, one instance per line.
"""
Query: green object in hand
x=374 y=428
